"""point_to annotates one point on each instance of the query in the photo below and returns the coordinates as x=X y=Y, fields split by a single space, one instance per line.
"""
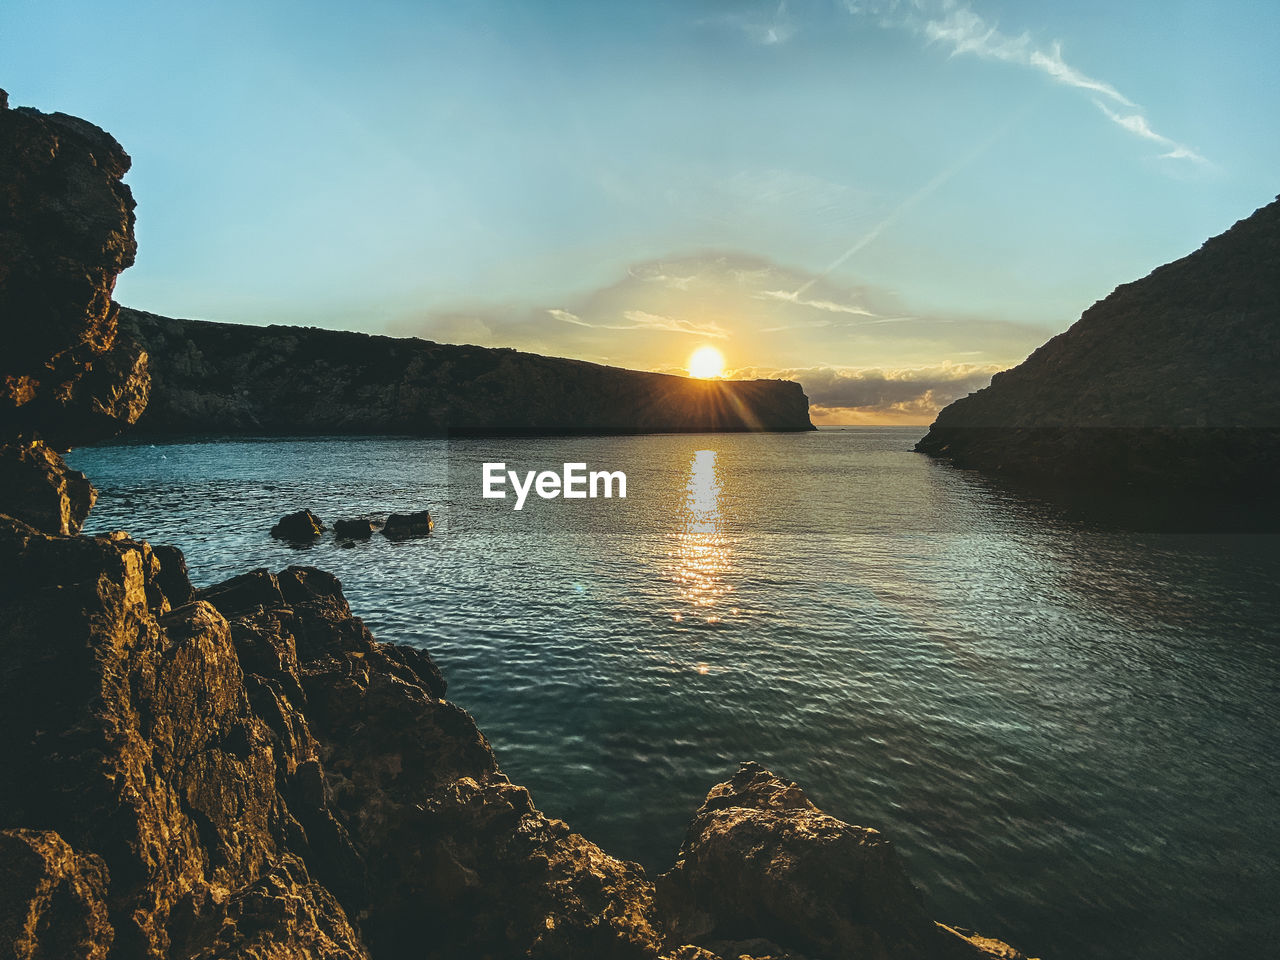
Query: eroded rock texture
x=66 y=232
x=762 y=870
x=1168 y=383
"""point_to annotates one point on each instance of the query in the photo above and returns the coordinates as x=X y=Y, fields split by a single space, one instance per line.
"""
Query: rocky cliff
x=222 y=378
x=1168 y=383
x=244 y=771
x=66 y=232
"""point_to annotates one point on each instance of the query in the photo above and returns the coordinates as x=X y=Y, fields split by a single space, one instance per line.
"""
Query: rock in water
x=301 y=527
x=359 y=529
x=1168 y=383
x=403 y=526
x=37 y=485
x=761 y=863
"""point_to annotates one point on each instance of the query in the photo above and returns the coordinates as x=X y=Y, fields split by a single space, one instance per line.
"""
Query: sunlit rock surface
x=221 y=378
x=1169 y=382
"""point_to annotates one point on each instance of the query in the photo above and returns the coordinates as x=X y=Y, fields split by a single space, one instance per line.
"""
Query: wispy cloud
x=831 y=306
x=767 y=25
x=1137 y=124
x=965 y=32
x=643 y=320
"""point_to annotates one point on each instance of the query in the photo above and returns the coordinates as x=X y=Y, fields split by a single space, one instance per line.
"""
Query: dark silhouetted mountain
x=1167 y=384
x=222 y=378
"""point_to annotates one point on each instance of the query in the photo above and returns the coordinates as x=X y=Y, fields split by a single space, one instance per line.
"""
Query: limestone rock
x=52 y=899
x=761 y=861
x=38 y=487
x=66 y=232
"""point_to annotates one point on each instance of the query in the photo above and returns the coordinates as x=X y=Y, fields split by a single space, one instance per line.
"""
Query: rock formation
x=221 y=378
x=1168 y=383
x=243 y=771
x=66 y=232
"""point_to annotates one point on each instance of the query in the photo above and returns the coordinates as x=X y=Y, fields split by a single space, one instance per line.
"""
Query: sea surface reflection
x=1069 y=729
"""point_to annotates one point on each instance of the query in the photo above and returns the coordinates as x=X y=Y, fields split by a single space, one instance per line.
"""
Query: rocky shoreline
x=244 y=771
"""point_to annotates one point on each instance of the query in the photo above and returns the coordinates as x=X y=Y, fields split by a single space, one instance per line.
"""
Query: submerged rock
x=301 y=527
x=359 y=529
x=404 y=526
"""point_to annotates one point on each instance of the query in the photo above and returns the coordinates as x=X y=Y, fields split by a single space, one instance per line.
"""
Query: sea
x=1067 y=725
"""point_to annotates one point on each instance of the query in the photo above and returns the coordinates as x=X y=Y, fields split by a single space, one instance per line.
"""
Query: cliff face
x=221 y=378
x=1167 y=383
x=66 y=231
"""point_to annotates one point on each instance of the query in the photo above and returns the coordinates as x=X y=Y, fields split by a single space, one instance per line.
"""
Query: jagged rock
x=223 y=378
x=66 y=232
x=1168 y=383
x=403 y=526
x=283 y=915
x=38 y=487
x=52 y=899
x=133 y=727
x=301 y=527
x=173 y=578
x=359 y=529
x=761 y=861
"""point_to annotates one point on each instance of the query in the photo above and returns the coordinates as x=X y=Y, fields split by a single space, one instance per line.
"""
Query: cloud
x=968 y=33
x=792 y=296
x=911 y=395
x=767 y=25
x=643 y=320
x=1136 y=124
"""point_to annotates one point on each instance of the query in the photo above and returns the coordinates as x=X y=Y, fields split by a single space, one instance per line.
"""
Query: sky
x=887 y=201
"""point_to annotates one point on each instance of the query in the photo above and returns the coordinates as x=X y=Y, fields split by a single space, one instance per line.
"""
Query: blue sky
x=886 y=200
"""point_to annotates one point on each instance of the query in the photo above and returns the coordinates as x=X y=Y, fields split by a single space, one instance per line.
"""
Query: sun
x=706 y=363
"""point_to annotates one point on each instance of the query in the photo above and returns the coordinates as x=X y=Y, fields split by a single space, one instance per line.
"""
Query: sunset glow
x=706 y=363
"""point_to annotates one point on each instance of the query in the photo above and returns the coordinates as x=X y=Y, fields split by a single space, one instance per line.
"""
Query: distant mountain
x=1170 y=383
x=222 y=378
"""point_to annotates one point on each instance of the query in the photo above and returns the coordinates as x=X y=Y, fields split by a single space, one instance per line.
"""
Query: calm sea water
x=1069 y=730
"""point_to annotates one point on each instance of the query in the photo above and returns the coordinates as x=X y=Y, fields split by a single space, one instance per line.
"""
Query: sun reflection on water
x=701 y=556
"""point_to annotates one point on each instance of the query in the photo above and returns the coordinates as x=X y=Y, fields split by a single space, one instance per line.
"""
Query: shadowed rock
x=52 y=899
x=222 y=378
x=359 y=529
x=404 y=526
x=37 y=485
x=1167 y=384
x=66 y=231
x=301 y=527
x=761 y=863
